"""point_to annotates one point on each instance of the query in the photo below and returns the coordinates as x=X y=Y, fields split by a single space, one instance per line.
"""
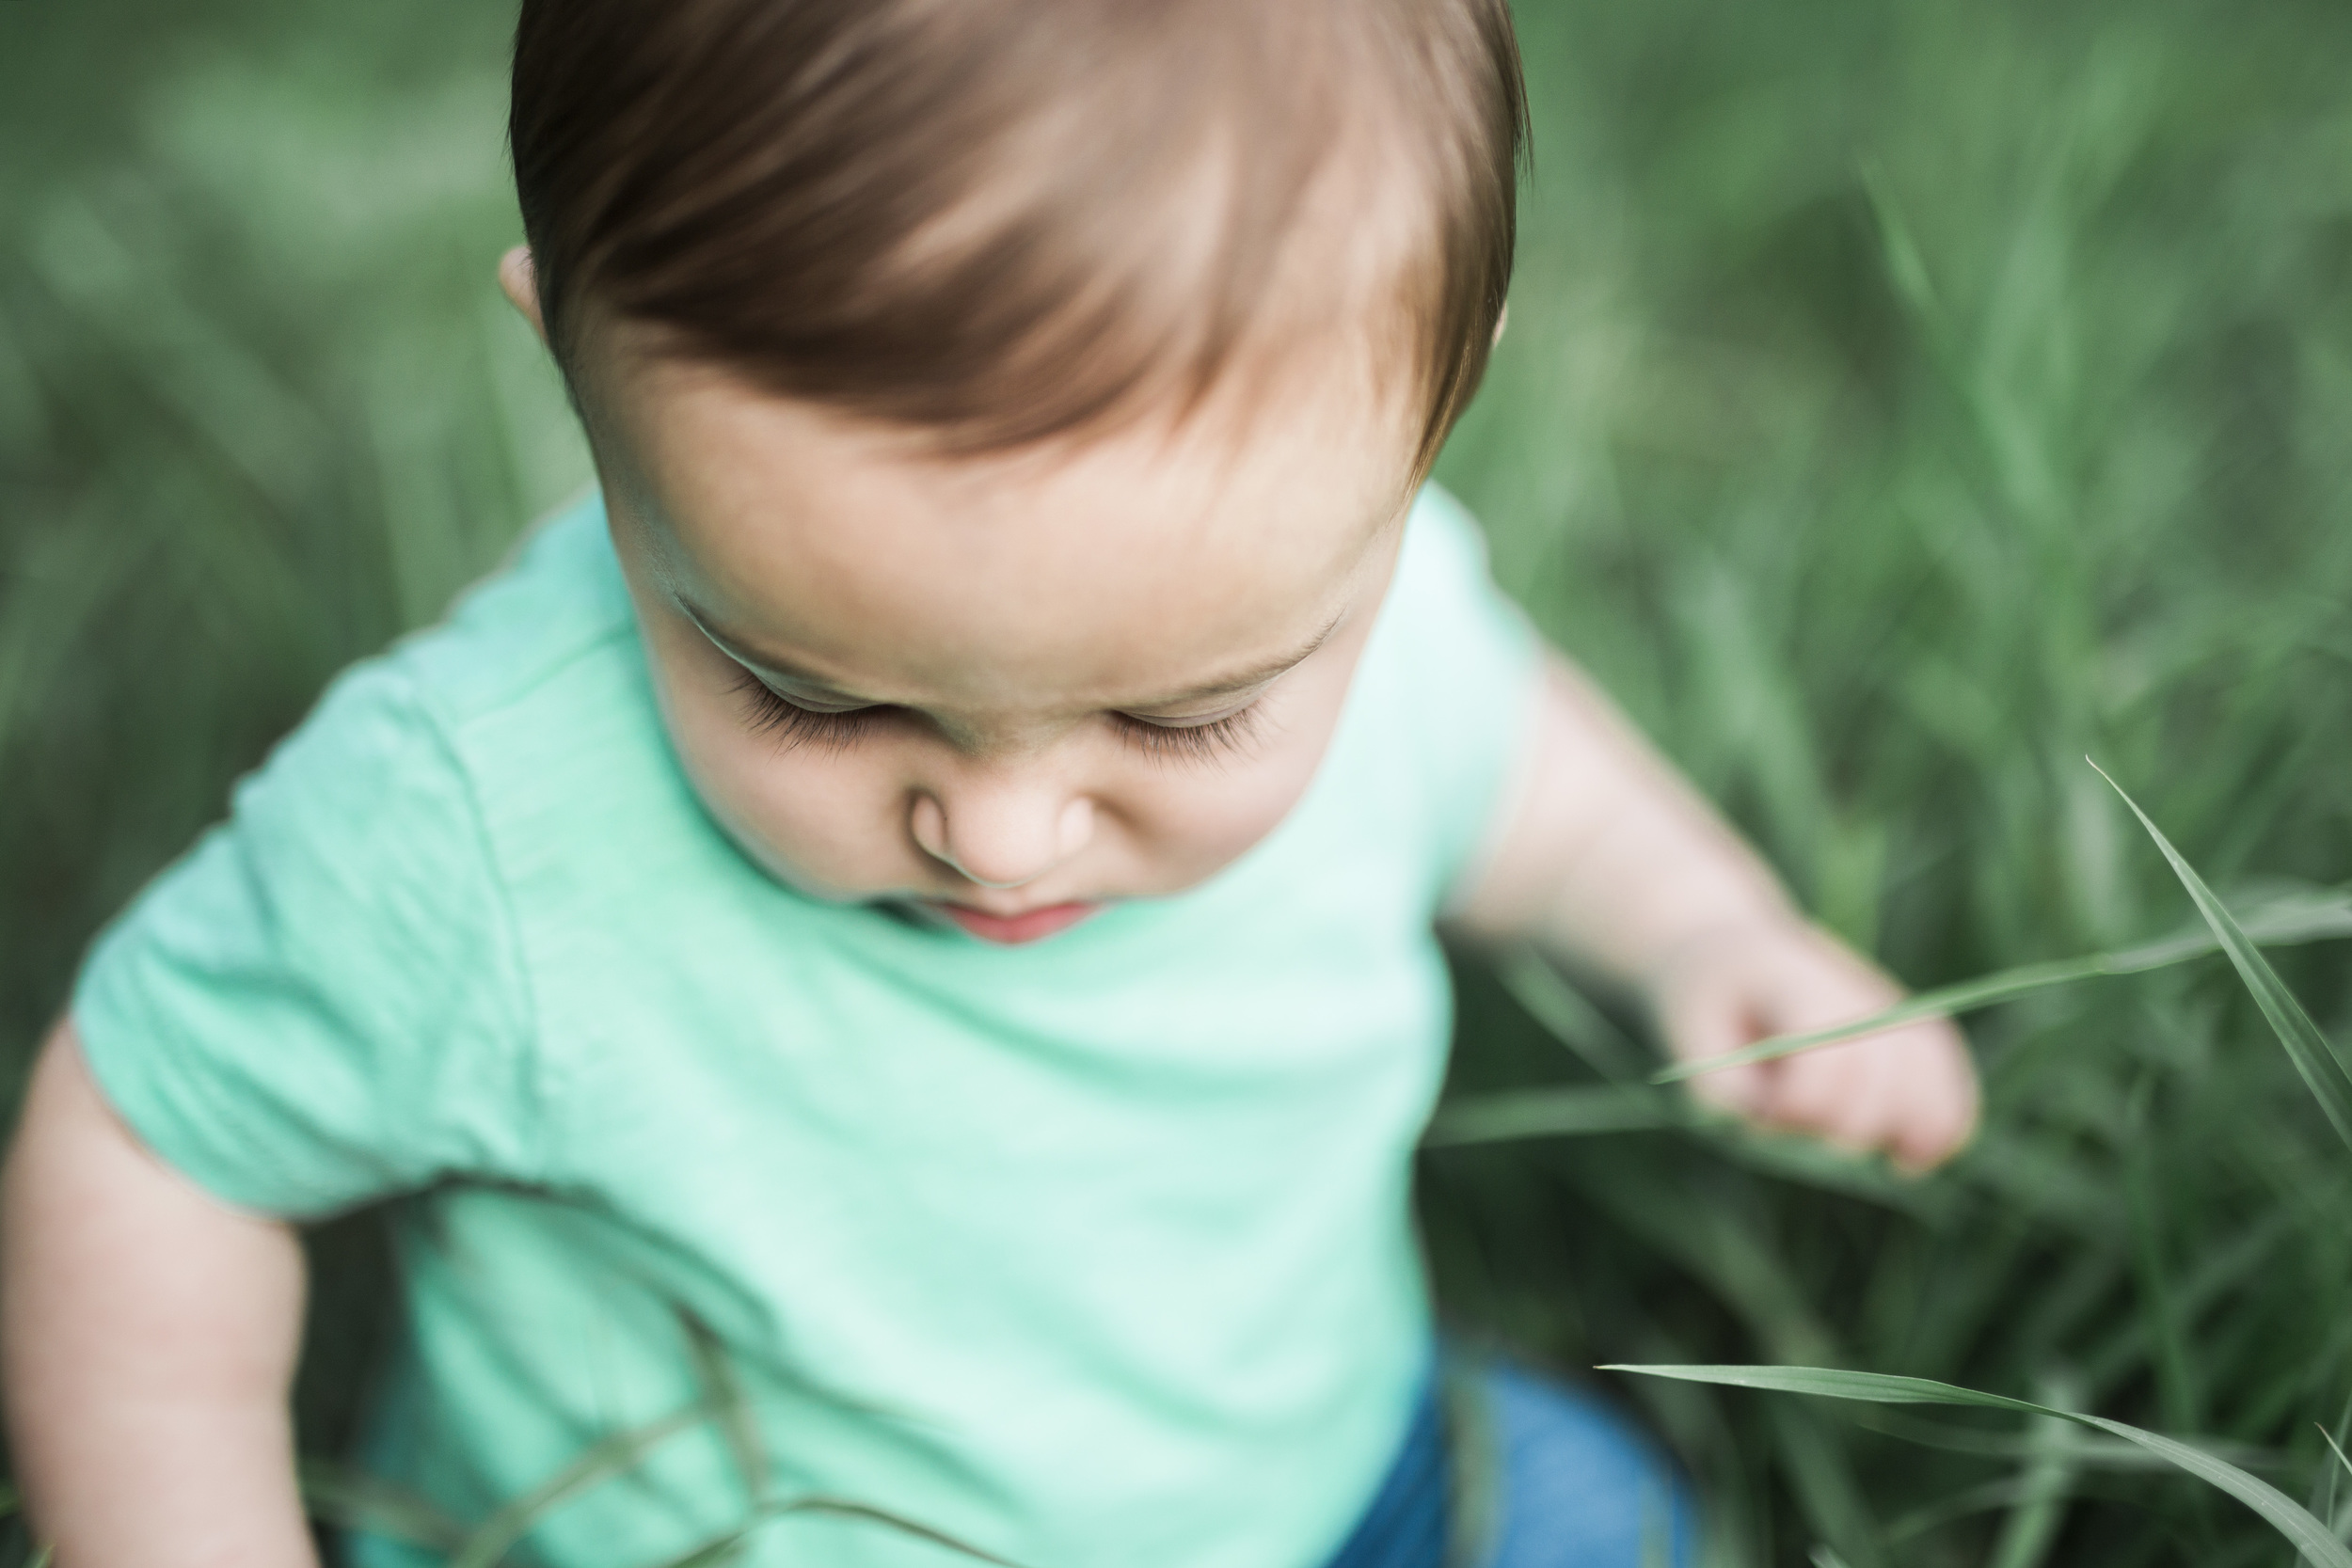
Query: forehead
x=1143 y=560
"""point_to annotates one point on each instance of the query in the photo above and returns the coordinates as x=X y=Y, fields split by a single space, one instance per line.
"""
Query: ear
x=1502 y=317
x=519 y=280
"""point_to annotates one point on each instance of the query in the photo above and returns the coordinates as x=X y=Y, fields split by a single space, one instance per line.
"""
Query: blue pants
x=1506 y=1469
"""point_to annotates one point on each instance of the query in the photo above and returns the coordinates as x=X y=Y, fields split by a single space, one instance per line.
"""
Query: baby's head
x=1007 y=408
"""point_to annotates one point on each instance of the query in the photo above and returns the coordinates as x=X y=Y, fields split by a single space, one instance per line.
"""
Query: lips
x=1010 y=930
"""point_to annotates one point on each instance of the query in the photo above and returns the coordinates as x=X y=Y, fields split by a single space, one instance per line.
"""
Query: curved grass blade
x=711 y=1553
x=1550 y=1113
x=2323 y=1065
x=2082 y=1451
x=2290 y=1518
x=2286 y=923
x=2337 y=1448
x=352 y=1499
x=1992 y=1495
x=2030 y=1530
x=720 y=1548
x=1510 y=1115
x=1566 y=1015
x=731 y=1409
x=1827 y=1491
x=1476 y=1475
x=601 y=1460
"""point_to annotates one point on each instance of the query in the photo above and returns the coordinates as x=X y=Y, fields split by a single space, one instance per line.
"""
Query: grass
x=1900 y=403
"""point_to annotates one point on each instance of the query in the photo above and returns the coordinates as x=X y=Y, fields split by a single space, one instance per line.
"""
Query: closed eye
x=772 y=713
x=1196 y=742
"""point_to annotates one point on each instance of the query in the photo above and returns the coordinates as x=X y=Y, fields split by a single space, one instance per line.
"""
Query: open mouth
x=1013 y=929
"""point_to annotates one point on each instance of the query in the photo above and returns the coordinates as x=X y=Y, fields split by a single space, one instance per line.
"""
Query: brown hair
x=961 y=216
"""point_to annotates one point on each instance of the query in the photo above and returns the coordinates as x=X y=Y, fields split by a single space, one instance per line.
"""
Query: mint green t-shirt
x=1093 y=1253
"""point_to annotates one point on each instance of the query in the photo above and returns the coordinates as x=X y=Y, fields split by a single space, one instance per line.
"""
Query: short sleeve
x=322 y=1003
x=1462 y=667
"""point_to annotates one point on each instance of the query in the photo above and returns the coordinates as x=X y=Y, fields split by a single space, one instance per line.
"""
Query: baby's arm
x=147 y=1334
x=1611 y=859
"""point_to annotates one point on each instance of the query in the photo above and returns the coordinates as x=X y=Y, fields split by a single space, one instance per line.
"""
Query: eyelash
x=794 y=727
x=1189 y=742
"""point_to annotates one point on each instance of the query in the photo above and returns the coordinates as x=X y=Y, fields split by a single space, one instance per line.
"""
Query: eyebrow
x=1243 y=680
x=762 y=664
x=1224 y=686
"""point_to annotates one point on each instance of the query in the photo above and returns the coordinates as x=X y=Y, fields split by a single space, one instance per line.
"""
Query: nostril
x=994 y=853
x=929 y=825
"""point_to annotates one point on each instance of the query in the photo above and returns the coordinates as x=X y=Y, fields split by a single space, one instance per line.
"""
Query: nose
x=1000 y=835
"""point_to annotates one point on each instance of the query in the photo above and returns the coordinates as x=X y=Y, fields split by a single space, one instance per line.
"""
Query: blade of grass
x=1723 y=1250
x=1658 y=1531
x=2336 y=1449
x=2083 y=1452
x=1906 y=268
x=2322 y=1495
x=710 y=1555
x=1515 y=1115
x=2325 y=1496
x=1475 y=1489
x=2290 y=1518
x=2226 y=1268
x=1566 y=1015
x=2297 y=922
x=2324 y=1065
x=2031 y=1529
x=1549 y=1112
x=1828 y=1492
x=350 y=1499
x=731 y=1411
x=2178 y=1385
x=2007 y=1492
x=1968 y=996
x=601 y=1460
x=720 y=1548
x=1807 y=1161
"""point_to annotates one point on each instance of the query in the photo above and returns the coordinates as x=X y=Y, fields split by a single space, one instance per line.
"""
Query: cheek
x=827 y=822
x=832 y=821
x=1190 y=820
x=1184 y=834
x=824 y=820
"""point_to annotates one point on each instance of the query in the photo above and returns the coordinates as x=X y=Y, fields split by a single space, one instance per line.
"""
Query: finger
x=1835 y=1095
x=1944 y=1107
x=1701 y=1027
x=1868 y=1122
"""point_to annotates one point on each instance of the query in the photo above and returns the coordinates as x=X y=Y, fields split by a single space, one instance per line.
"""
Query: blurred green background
x=1901 y=401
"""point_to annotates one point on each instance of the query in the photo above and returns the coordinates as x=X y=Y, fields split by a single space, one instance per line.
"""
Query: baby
x=925 y=881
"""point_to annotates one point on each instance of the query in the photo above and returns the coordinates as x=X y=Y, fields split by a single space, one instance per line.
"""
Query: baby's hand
x=1911 y=1092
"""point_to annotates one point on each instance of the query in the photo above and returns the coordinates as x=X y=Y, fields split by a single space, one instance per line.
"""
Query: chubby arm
x=1611 y=859
x=147 y=1335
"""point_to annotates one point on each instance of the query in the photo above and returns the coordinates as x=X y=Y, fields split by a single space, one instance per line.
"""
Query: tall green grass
x=1900 y=403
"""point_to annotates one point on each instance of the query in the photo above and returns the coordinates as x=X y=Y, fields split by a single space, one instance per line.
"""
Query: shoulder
x=322 y=1001
x=388 y=746
x=370 y=827
x=559 y=602
x=1445 y=621
x=1444 y=698
x=1441 y=539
